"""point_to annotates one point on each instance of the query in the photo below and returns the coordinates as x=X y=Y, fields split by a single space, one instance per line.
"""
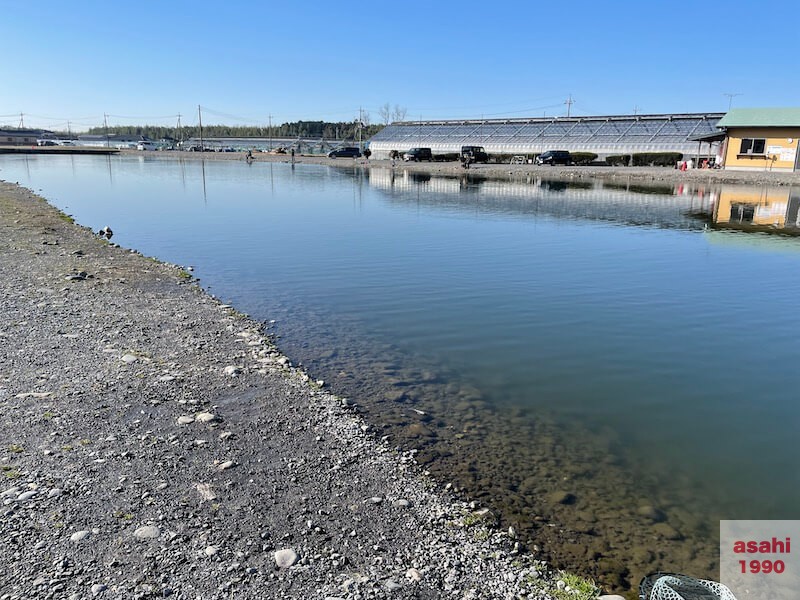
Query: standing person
x=292 y=155
x=367 y=153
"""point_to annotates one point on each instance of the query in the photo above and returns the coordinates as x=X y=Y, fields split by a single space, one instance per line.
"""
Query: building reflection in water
x=758 y=209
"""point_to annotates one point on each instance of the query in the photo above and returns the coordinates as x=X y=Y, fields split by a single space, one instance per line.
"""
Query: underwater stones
x=652 y=513
x=396 y=395
x=667 y=532
x=561 y=497
x=418 y=430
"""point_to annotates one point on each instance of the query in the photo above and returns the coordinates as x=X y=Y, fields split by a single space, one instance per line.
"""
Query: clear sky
x=147 y=61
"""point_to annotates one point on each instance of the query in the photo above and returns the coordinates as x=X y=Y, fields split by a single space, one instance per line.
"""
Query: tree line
x=303 y=129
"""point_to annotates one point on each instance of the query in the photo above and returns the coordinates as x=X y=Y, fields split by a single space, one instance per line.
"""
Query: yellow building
x=761 y=139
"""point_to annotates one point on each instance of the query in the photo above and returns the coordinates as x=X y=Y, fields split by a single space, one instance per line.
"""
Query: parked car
x=554 y=157
x=475 y=154
x=346 y=152
x=418 y=154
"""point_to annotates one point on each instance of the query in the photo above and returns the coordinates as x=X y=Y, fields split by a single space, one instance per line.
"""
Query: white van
x=143 y=145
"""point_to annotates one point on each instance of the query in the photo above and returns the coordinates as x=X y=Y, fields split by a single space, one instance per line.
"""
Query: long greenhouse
x=604 y=136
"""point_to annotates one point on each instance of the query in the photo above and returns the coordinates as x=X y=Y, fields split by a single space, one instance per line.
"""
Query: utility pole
x=69 y=130
x=200 y=119
x=105 y=126
x=359 y=128
x=730 y=98
x=179 y=131
x=569 y=102
x=21 y=121
x=636 y=110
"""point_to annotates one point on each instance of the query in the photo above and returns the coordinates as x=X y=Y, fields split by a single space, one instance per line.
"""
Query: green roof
x=761 y=117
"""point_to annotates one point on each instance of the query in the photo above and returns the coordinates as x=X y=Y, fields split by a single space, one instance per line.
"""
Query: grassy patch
x=16 y=449
x=11 y=473
x=577 y=588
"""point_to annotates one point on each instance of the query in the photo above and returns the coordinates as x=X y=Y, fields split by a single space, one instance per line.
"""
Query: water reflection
x=758 y=209
x=582 y=355
x=631 y=204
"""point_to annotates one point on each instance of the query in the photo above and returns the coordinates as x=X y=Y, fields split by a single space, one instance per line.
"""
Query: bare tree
x=399 y=113
x=385 y=112
x=365 y=118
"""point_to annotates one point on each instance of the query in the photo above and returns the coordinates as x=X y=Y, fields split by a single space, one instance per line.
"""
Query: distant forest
x=345 y=130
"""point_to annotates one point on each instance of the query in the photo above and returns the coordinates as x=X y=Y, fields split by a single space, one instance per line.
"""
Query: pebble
x=79 y=536
x=610 y=597
x=98 y=588
x=667 y=531
x=285 y=558
x=652 y=513
x=414 y=575
x=228 y=464
x=25 y=496
x=55 y=493
x=561 y=497
x=401 y=503
x=206 y=417
x=147 y=532
x=210 y=550
x=129 y=358
x=185 y=420
x=392 y=585
x=14 y=491
x=232 y=371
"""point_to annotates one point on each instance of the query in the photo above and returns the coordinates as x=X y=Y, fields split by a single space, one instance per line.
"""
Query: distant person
x=367 y=154
x=292 y=155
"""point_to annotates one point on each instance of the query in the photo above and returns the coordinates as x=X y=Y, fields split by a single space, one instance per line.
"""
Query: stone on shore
x=285 y=558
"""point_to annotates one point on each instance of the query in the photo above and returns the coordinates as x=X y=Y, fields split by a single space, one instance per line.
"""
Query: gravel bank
x=156 y=444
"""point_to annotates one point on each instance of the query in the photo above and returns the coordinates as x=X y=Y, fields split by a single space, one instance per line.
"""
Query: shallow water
x=608 y=366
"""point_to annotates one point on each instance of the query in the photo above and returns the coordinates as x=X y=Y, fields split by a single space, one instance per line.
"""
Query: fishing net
x=682 y=587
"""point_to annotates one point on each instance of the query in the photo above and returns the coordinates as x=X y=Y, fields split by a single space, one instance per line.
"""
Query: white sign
x=788 y=155
x=757 y=561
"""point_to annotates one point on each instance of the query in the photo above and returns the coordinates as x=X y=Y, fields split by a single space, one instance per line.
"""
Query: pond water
x=604 y=364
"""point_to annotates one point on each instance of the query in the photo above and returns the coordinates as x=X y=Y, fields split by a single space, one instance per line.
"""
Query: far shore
x=507 y=171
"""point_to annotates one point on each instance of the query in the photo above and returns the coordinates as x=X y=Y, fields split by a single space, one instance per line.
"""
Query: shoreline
x=160 y=444
x=645 y=175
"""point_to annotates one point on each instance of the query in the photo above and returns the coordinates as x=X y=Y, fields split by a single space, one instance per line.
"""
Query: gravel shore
x=155 y=443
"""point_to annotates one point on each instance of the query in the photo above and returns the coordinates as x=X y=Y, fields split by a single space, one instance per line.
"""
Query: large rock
x=285 y=558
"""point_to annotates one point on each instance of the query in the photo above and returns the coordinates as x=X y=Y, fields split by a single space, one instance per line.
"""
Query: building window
x=752 y=146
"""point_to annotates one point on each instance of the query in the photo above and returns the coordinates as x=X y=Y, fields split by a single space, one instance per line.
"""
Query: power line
x=731 y=96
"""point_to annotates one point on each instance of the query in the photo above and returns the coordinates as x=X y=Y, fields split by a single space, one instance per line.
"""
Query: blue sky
x=148 y=61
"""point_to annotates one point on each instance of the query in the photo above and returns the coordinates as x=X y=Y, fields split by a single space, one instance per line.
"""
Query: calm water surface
x=600 y=343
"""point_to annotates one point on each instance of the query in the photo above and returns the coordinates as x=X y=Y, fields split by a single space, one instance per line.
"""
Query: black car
x=554 y=157
x=475 y=154
x=418 y=154
x=347 y=152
